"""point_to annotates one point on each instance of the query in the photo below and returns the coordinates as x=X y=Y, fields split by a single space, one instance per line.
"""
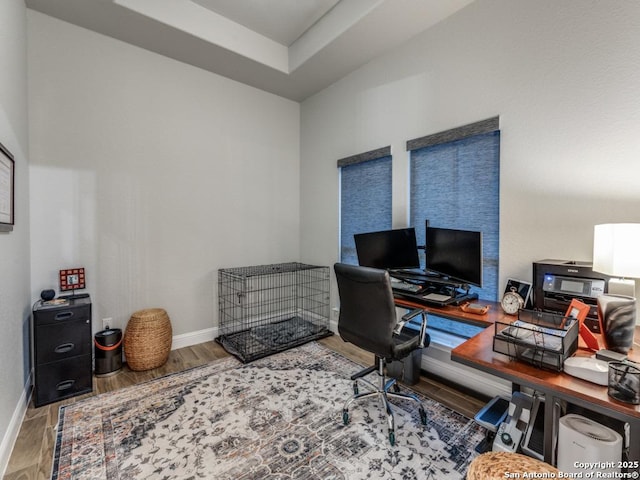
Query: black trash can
x=407 y=370
x=108 y=352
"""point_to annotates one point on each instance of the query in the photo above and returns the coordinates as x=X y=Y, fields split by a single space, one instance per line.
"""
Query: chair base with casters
x=382 y=391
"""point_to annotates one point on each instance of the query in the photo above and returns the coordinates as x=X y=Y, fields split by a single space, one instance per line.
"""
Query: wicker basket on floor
x=496 y=465
x=147 y=339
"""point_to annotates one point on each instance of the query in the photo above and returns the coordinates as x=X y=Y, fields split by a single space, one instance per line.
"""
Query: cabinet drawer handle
x=64 y=348
x=66 y=385
x=63 y=315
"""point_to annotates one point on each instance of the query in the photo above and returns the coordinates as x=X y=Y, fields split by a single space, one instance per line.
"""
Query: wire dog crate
x=270 y=308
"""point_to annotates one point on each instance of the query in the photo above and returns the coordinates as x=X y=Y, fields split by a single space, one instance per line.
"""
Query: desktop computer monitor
x=454 y=254
x=388 y=249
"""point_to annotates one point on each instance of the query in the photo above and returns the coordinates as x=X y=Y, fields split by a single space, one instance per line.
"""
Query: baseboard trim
x=437 y=359
x=13 y=429
x=194 y=338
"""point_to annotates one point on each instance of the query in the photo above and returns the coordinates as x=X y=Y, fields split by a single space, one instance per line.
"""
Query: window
x=365 y=198
x=455 y=183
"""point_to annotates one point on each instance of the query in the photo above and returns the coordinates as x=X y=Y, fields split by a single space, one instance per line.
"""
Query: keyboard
x=406 y=287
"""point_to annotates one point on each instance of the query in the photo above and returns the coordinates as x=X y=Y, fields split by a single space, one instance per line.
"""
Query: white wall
x=152 y=174
x=564 y=77
x=15 y=299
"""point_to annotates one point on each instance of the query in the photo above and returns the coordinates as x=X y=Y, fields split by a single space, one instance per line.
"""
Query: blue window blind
x=365 y=198
x=455 y=183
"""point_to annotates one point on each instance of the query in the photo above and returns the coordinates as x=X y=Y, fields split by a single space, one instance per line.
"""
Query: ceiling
x=292 y=48
x=283 y=20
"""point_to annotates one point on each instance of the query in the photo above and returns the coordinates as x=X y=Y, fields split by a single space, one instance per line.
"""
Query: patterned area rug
x=279 y=417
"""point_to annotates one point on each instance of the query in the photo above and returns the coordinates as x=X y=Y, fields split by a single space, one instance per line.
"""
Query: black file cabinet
x=61 y=350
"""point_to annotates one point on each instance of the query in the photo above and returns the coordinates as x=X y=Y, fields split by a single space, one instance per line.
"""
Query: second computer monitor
x=456 y=254
x=388 y=249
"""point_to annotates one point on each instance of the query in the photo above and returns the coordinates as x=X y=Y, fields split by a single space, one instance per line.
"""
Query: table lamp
x=616 y=252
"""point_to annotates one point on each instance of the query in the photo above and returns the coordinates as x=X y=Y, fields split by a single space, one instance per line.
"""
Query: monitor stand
x=459 y=292
x=413 y=274
x=464 y=298
x=407 y=271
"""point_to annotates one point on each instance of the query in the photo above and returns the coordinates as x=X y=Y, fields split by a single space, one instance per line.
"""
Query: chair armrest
x=423 y=324
x=411 y=314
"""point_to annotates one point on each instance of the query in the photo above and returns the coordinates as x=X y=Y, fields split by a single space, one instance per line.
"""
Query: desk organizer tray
x=542 y=339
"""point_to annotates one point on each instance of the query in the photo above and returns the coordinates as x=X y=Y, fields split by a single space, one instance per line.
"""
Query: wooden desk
x=557 y=387
x=478 y=353
x=494 y=314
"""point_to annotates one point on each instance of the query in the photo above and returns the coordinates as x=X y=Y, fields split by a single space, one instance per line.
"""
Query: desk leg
x=552 y=409
x=634 y=441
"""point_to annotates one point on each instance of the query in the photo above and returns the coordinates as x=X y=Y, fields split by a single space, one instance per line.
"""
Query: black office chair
x=368 y=320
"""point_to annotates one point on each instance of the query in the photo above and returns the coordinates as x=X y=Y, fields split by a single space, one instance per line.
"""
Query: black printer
x=557 y=282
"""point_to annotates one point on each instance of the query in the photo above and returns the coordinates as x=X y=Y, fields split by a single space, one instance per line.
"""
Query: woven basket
x=147 y=339
x=496 y=465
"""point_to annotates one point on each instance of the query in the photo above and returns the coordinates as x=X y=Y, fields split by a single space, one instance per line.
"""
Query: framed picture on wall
x=7 y=195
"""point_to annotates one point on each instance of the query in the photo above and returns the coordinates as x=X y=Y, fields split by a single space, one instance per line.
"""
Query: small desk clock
x=512 y=302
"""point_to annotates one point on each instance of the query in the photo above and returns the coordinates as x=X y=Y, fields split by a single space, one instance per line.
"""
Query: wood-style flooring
x=33 y=451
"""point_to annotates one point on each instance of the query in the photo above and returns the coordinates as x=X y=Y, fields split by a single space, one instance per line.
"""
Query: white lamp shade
x=616 y=249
